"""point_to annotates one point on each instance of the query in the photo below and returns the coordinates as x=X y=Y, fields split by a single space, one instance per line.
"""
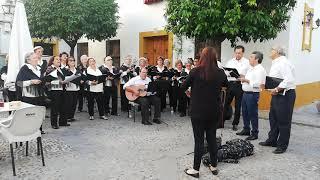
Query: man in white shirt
x=251 y=86
x=282 y=102
x=144 y=102
x=235 y=89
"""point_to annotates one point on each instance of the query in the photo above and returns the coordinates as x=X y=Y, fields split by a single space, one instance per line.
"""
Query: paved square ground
x=120 y=149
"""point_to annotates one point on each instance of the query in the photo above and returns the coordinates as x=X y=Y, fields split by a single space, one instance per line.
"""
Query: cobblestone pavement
x=119 y=149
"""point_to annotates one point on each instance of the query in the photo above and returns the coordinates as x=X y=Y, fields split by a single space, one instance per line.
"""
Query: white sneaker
x=91 y=118
x=103 y=117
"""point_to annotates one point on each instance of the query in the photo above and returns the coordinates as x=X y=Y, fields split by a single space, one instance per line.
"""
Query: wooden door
x=82 y=49
x=113 y=50
x=154 y=47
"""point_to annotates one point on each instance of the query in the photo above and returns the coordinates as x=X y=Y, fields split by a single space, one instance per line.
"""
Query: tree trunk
x=214 y=42
x=72 y=45
x=72 y=50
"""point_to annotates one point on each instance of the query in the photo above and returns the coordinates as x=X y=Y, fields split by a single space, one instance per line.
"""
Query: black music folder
x=272 y=82
x=233 y=72
x=115 y=76
x=100 y=78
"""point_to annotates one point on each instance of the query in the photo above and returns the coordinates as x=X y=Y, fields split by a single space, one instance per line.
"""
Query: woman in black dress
x=205 y=82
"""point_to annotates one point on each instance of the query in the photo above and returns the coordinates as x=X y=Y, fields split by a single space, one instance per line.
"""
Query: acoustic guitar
x=142 y=92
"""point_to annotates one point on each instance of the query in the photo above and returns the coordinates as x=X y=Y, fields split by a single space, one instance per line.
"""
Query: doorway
x=155 y=44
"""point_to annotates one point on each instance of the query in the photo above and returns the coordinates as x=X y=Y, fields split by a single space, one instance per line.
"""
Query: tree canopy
x=246 y=20
x=71 y=19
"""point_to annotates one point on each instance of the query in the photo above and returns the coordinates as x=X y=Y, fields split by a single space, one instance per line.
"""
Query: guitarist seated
x=136 y=90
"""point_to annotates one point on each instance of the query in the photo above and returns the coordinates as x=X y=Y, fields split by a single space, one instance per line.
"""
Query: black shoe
x=71 y=120
x=195 y=175
x=55 y=127
x=67 y=124
x=213 y=170
x=235 y=127
x=157 y=121
x=252 y=137
x=279 y=150
x=115 y=114
x=243 y=133
x=148 y=123
x=268 y=143
x=42 y=132
x=182 y=114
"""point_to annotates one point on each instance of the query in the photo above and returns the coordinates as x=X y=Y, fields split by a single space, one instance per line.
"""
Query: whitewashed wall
x=135 y=17
x=307 y=63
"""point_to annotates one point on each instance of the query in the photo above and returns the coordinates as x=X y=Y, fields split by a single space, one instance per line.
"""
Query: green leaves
x=72 y=19
x=228 y=19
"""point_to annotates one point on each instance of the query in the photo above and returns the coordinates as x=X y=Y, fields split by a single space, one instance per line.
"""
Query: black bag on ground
x=231 y=152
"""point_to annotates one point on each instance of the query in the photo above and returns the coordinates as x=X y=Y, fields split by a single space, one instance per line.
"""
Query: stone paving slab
x=119 y=149
x=306 y=115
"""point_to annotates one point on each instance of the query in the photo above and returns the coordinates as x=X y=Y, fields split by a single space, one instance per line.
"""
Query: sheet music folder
x=272 y=82
x=233 y=72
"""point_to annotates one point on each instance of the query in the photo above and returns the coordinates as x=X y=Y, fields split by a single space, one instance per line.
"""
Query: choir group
x=65 y=87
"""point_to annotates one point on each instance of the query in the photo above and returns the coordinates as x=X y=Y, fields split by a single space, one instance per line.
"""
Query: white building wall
x=135 y=17
x=307 y=63
x=264 y=47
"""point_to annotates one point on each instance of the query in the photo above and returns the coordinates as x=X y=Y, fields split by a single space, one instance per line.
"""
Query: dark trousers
x=124 y=100
x=199 y=128
x=184 y=101
x=57 y=108
x=234 y=91
x=98 y=97
x=145 y=103
x=280 y=118
x=174 y=97
x=111 y=92
x=82 y=94
x=162 y=92
x=170 y=93
x=71 y=103
x=12 y=95
x=250 y=112
x=38 y=101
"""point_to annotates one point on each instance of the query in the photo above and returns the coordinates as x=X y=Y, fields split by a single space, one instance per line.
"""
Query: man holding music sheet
x=133 y=87
x=282 y=102
x=234 y=90
x=251 y=86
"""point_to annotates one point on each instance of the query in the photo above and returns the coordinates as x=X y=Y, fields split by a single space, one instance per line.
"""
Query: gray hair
x=258 y=56
x=280 y=50
x=83 y=57
x=27 y=57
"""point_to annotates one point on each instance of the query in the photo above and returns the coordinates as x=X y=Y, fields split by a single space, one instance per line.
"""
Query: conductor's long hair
x=208 y=63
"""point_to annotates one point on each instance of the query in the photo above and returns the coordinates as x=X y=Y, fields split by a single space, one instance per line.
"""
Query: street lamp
x=309 y=18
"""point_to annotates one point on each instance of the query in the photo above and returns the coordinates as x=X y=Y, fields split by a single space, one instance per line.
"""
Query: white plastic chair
x=23 y=126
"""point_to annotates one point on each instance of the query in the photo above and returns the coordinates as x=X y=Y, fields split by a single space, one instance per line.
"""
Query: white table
x=4 y=111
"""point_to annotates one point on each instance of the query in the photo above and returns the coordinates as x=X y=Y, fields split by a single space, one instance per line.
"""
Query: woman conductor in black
x=205 y=82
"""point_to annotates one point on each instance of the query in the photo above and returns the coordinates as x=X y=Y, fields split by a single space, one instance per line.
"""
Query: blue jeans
x=250 y=112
